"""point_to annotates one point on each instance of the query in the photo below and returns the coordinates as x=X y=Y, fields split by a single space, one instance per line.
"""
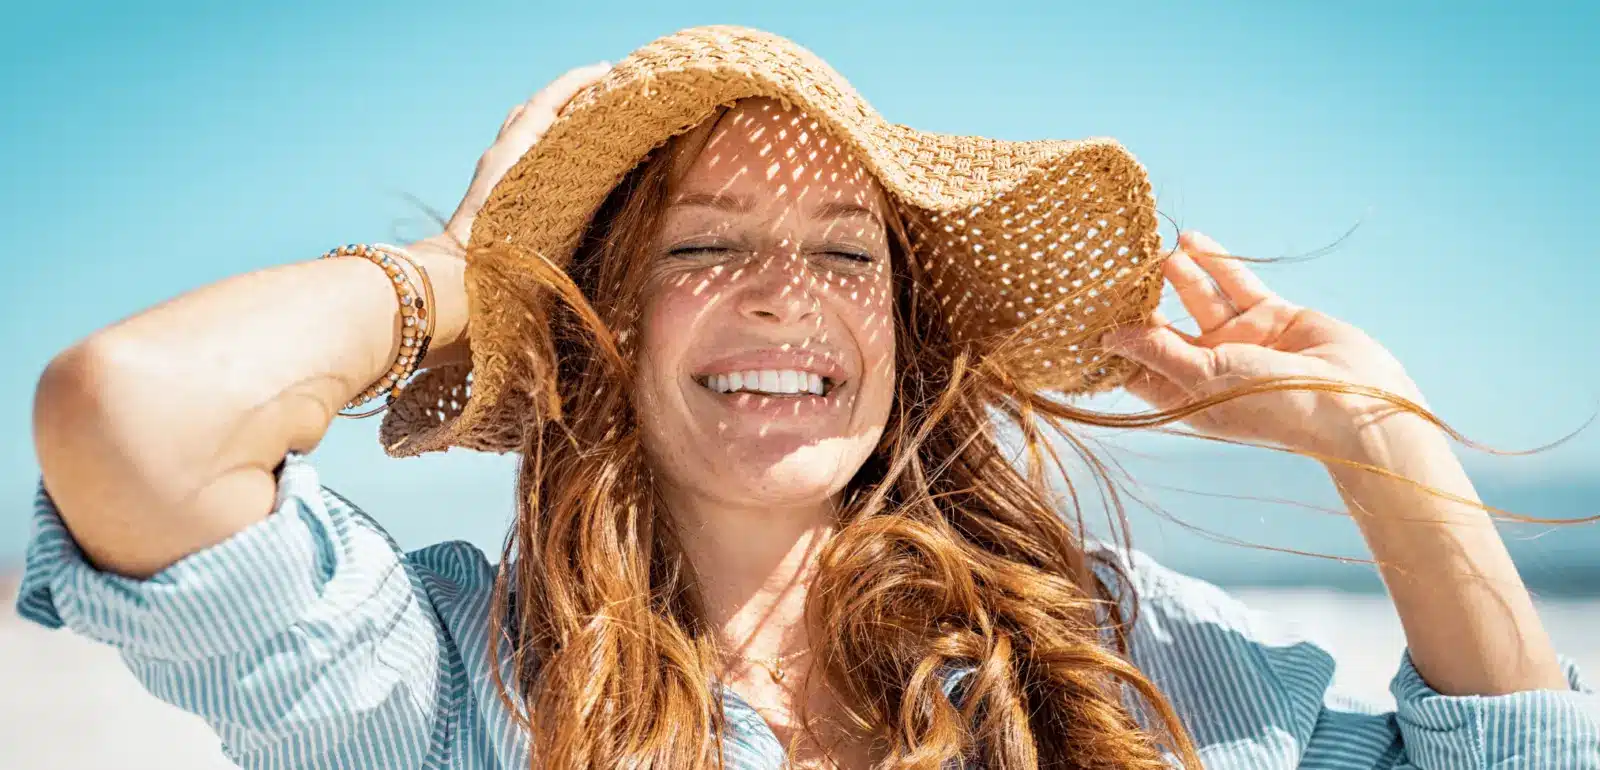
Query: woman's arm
x=158 y=435
x=1470 y=621
x=1470 y=624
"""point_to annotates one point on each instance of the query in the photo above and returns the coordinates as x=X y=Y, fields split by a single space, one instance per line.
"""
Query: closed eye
x=689 y=251
x=696 y=250
x=853 y=256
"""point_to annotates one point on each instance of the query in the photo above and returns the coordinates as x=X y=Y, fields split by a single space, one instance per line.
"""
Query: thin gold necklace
x=775 y=664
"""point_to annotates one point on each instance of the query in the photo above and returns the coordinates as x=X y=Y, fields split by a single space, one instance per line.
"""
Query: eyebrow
x=839 y=209
x=740 y=204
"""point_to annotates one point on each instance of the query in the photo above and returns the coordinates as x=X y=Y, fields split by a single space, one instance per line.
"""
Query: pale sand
x=72 y=705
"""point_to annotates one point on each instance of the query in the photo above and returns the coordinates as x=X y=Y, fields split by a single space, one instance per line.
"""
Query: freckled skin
x=773 y=240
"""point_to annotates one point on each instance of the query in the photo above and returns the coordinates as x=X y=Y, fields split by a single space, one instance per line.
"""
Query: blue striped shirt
x=309 y=640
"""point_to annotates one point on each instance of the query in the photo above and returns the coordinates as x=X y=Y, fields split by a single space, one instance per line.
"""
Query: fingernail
x=1208 y=243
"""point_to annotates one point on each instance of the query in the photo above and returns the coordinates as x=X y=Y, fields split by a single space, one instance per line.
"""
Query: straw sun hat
x=1003 y=231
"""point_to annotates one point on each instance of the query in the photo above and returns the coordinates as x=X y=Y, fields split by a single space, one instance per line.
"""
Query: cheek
x=866 y=305
x=671 y=311
x=868 y=308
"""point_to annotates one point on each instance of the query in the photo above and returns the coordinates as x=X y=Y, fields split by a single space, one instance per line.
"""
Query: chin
x=790 y=471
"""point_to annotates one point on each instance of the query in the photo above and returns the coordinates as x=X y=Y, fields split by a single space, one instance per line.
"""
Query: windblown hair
x=950 y=552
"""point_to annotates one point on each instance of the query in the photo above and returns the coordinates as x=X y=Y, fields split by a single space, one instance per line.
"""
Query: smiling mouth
x=778 y=383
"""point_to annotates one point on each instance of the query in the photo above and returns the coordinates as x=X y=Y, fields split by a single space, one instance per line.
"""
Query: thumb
x=1163 y=351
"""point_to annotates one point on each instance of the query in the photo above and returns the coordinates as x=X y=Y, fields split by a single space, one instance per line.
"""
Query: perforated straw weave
x=1059 y=231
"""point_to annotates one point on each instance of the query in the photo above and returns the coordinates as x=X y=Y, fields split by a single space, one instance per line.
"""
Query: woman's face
x=767 y=342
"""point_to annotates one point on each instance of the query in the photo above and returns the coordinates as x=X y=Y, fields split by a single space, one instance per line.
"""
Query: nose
x=779 y=290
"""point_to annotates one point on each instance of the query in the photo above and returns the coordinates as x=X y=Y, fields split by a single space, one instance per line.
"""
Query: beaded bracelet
x=416 y=319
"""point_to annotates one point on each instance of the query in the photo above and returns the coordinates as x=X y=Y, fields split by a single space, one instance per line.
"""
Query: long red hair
x=949 y=553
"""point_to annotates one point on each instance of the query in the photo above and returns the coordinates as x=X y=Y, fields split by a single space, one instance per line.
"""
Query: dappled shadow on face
x=769 y=305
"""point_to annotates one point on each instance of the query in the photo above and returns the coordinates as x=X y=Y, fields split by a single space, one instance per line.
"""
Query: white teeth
x=782 y=382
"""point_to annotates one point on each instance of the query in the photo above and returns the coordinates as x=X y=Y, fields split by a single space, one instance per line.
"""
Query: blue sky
x=150 y=148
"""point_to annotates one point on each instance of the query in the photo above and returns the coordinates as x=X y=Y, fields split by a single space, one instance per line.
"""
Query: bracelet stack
x=416 y=321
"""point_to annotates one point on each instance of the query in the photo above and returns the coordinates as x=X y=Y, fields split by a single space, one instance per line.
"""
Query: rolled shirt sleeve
x=1530 y=729
x=1254 y=692
x=304 y=639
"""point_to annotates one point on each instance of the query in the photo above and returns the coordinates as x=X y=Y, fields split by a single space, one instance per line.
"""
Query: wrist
x=1414 y=460
x=441 y=258
x=1373 y=431
x=443 y=244
x=1388 y=442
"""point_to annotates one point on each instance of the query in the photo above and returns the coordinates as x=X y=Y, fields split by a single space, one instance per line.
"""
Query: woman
x=748 y=341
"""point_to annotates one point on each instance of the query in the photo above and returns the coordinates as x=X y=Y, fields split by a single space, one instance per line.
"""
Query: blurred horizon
x=1193 y=510
x=153 y=148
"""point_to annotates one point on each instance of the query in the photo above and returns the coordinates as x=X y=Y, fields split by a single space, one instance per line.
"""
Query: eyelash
x=687 y=251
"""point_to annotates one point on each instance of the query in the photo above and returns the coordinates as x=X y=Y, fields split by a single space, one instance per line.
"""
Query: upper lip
x=820 y=362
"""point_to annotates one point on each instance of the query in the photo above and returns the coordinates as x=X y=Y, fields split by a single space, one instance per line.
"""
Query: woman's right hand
x=525 y=124
x=442 y=254
x=161 y=434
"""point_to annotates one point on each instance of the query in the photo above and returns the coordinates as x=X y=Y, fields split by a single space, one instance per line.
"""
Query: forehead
x=762 y=148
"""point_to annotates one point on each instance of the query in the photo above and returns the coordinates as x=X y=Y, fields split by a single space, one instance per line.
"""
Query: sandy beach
x=72 y=706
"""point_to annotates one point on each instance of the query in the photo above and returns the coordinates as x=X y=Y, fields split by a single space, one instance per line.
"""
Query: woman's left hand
x=1248 y=333
x=1471 y=627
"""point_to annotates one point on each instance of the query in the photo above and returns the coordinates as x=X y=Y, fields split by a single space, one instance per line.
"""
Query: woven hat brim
x=988 y=220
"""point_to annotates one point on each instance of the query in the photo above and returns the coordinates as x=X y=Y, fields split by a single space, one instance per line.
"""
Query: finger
x=1157 y=391
x=1163 y=351
x=1158 y=318
x=1239 y=284
x=540 y=111
x=1198 y=293
x=1264 y=324
x=511 y=117
x=550 y=99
